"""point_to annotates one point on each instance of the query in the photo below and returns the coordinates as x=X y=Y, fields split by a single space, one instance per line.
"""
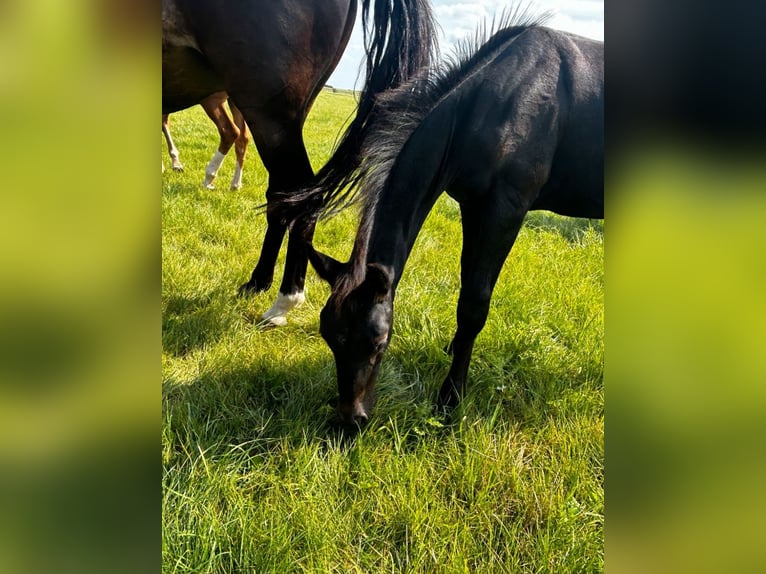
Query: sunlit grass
x=254 y=477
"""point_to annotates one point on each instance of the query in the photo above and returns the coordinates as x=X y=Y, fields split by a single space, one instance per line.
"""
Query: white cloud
x=458 y=19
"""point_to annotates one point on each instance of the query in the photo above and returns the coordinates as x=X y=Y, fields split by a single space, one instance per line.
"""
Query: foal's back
x=529 y=121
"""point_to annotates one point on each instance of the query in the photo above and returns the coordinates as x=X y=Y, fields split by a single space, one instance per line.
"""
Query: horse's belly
x=575 y=192
x=187 y=79
x=175 y=32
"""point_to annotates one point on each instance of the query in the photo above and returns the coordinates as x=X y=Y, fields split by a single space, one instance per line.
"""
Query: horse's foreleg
x=240 y=145
x=172 y=149
x=292 y=289
x=281 y=148
x=263 y=273
x=488 y=236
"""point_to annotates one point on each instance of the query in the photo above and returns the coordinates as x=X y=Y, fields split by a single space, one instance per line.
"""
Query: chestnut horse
x=232 y=130
x=273 y=57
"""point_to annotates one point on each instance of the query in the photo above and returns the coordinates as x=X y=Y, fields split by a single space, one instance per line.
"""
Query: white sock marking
x=212 y=169
x=175 y=159
x=277 y=314
x=236 y=181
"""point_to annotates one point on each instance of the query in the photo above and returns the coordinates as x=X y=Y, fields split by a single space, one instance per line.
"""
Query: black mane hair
x=397 y=114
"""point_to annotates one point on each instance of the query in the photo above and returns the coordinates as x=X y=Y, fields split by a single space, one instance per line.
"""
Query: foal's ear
x=379 y=279
x=326 y=267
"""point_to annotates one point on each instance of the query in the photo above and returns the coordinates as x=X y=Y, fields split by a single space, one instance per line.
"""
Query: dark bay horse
x=272 y=57
x=510 y=126
x=232 y=131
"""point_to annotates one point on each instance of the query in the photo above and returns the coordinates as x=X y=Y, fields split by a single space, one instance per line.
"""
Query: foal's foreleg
x=488 y=236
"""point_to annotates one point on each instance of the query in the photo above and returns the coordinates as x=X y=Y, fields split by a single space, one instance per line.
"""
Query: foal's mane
x=398 y=113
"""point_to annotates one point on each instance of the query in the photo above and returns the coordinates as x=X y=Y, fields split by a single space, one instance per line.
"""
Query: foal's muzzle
x=354 y=415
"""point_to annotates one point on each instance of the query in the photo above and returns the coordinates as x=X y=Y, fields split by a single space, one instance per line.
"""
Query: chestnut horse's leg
x=280 y=145
x=172 y=149
x=240 y=145
x=488 y=235
x=228 y=132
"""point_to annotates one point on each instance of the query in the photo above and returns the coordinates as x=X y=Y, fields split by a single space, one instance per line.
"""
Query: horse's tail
x=400 y=40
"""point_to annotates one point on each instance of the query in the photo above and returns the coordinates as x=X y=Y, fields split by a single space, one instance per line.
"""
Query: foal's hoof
x=443 y=413
x=442 y=408
x=178 y=167
x=447 y=401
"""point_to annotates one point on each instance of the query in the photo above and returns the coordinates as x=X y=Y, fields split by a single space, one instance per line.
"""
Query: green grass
x=255 y=479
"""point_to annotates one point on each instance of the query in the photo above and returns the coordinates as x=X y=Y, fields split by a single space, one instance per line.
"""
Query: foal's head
x=356 y=324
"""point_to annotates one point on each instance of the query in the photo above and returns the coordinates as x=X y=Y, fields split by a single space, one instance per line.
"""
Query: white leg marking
x=175 y=160
x=212 y=169
x=277 y=315
x=236 y=181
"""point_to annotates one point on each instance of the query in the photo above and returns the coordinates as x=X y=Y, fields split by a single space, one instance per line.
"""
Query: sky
x=458 y=19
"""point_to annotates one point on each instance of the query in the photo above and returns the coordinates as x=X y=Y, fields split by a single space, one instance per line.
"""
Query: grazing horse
x=510 y=126
x=232 y=130
x=273 y=57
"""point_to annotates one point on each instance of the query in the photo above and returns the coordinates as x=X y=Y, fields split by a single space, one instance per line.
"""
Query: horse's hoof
x=277 y=314
x=278 y=321
x=178 y=168
x=448 y=399
x=443 y=406
x=235 y=186
x=444 y=415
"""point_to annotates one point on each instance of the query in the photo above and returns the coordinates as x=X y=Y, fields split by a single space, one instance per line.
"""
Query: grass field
x=255 y=479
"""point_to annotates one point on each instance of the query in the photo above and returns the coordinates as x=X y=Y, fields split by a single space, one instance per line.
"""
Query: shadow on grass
x=190 y=323
x=570 y=228
x=258 y=409
x=266 y=410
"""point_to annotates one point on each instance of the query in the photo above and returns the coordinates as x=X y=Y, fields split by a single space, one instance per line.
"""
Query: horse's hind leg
x=172 y=149
x=228 y=132
x=280 y=145
x=488 y=235
x=240 y=145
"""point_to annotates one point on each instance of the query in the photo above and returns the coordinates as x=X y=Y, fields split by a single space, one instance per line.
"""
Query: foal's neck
x=399 y=215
